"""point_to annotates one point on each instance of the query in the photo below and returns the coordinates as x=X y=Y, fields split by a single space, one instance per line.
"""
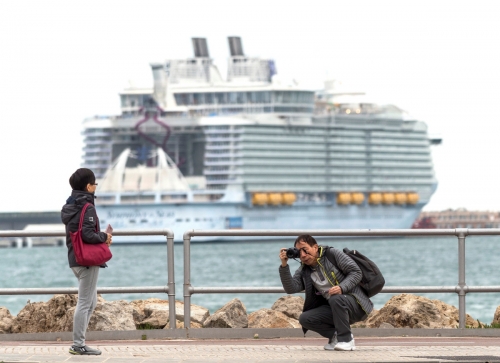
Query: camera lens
x=292 y=253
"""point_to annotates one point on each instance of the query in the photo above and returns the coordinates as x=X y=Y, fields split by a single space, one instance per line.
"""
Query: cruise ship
x=200 y=151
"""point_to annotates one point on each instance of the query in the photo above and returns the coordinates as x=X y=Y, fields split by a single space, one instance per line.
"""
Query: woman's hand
x=109 y=240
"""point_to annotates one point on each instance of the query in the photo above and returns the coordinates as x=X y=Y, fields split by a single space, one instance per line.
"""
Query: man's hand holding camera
x=283 y=258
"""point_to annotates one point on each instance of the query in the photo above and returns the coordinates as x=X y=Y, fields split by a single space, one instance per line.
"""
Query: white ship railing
x=461 y=288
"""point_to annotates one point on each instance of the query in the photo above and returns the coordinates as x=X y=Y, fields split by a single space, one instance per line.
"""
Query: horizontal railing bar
x=228 y=290
x=346 y=232
x=277 y=289
x=123 y=232
x=74 y=290
x=482 y=288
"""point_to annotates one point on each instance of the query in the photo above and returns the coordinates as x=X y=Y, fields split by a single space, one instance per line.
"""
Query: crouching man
x=333 y=300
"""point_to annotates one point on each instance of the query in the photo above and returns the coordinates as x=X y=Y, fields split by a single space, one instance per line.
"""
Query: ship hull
x=216 y=216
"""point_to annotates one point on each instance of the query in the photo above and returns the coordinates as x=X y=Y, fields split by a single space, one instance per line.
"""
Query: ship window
x=187 y=219
x=233 y=97
x=221 y=98
x=198 y=98
x=241 y=97
x=209 y=98
x=132 y=221
x=178 y=220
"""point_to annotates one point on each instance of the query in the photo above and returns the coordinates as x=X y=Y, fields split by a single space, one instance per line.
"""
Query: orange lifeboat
x=375 y=198
x=344 y=198
x=289 y=198
x=357 y=198
x=259 y=199
x=400 y=198
x=412 y=198
x=274 y=198
x=388 y=198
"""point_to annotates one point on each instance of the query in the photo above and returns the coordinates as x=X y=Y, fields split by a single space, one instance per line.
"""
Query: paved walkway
x=409 y=349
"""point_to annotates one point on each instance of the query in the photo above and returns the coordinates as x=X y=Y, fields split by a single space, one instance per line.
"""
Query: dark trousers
x=341 y=311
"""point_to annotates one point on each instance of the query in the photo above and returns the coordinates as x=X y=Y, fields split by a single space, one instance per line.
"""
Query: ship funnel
x=200 y=47
x=235 y=46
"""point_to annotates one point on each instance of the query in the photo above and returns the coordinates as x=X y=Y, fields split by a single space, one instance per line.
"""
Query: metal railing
x=461 y=288
x=168 y=289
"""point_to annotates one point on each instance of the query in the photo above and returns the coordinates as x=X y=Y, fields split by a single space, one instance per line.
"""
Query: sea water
x=404 y=262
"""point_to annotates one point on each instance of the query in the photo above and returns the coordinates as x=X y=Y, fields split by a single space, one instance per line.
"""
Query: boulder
x=289 y=305
x=231 y=315
x=155 y=313
x=51 y=316
x=6 y=321
x=268 y=318
x=112 y=315
x=412 y=311
x=496 y=317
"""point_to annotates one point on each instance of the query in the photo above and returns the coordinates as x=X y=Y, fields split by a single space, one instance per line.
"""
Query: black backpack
x=372 y=281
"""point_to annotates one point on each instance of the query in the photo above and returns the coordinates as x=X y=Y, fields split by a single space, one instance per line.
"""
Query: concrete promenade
x=369 y=349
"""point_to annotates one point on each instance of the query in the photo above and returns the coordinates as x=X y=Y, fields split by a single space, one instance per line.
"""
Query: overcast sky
x=62 y=61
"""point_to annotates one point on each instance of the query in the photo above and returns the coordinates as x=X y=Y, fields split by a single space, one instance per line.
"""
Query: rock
x=385 y=326
x=268 y=318
x=290 y=306
x=180 y=325
x=6 y=321
x=231 y=315
x=55 y=315
x=412 y=311
x=155 y=313
x=496 y=317
x=449 y=314
x=111 y=316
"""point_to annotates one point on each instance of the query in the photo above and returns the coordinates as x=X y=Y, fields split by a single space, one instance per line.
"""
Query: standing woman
x=83 y=184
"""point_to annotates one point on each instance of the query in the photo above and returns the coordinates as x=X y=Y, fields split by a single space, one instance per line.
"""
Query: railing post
x=171 y=279
x=187 y=279
x=461 y=233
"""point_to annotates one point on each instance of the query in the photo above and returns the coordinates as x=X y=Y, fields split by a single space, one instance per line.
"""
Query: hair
x=80 y=178
x=307 y=239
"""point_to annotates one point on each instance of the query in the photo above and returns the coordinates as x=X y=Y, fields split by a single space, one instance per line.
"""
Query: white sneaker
x=346 y=345
x=331 y=343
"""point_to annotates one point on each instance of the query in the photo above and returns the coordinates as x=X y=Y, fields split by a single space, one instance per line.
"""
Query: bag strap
x=82 y=216
x=331 y=256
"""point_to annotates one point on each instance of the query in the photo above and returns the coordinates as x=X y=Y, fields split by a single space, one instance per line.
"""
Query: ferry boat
x=199 y=151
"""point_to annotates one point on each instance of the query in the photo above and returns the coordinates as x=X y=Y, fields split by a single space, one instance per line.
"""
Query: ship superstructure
x=250 y=152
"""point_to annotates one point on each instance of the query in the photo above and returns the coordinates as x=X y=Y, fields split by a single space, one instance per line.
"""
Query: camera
x=293 y=252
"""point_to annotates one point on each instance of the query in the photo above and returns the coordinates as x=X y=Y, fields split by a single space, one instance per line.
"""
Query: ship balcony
x=97 y=158
x=97 y=148
x=222 y=155
x=222 y=163
x=222 y=172
x=223 y=147
x=221 y=139
x=97 y=142
x=207 y=130
x=224 y=181
x=93 y=132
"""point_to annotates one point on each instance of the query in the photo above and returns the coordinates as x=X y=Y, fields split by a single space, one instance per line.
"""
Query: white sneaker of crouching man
x=333 y=298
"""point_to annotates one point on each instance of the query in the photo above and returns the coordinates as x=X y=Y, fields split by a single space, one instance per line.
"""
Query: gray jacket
x=347 y=275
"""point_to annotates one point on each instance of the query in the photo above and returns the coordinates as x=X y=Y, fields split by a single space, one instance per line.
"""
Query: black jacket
x=70 y=216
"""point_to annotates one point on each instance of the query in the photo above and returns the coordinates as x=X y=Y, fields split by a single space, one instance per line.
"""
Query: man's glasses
x=95 y=183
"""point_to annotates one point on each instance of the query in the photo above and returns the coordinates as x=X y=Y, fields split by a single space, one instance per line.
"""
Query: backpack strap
x=331 y=257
